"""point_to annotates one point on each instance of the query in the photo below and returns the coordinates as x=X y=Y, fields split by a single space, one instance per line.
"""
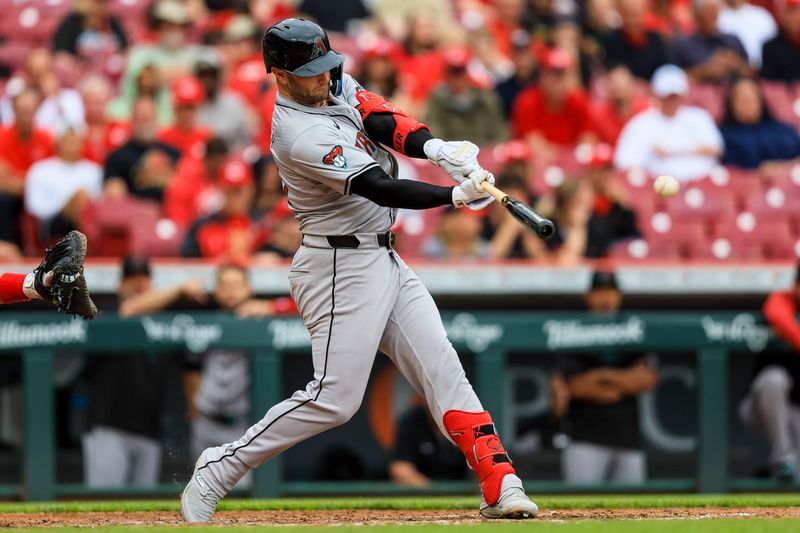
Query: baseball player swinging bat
x=524 y=214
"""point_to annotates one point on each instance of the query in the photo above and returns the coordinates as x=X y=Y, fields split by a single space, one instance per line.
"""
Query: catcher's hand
x=66 y=287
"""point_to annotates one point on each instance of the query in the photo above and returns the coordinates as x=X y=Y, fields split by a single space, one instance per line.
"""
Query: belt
x=358 y=240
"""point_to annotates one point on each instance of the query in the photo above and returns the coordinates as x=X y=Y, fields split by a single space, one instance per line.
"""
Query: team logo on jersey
x=319 y=48
x=335 y=158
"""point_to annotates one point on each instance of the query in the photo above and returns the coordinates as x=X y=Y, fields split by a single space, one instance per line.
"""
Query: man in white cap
x=670 y=138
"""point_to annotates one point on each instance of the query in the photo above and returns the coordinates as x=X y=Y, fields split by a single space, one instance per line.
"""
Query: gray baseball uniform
x=353 y=301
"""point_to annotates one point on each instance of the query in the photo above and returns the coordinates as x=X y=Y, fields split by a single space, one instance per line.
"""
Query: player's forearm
x=149 y=302
x=381 y=127
x=377 y=186
x=405 y=473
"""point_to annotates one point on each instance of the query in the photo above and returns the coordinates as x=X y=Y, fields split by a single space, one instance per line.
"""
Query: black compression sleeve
x=381 y=126
x=377 y=186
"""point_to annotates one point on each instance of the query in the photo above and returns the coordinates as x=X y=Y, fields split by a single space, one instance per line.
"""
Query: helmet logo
x=319 y=48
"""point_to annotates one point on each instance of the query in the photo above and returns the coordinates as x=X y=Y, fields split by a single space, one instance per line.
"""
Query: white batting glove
x=469 y=193
x=457 y=158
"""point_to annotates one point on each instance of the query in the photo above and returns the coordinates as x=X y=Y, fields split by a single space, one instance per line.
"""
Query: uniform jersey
x=319 y=152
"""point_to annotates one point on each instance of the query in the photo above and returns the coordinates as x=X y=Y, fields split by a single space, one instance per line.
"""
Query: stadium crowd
x=146 y=123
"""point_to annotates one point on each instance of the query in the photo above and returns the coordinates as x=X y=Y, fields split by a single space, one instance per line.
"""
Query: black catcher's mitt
x=67 y=290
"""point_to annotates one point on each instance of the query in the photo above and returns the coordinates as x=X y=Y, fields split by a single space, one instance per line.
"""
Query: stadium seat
x=780 y=99
x=668 y=237
x=753 y=237
x=694 y=204
x=775 y=203
x=709 y=97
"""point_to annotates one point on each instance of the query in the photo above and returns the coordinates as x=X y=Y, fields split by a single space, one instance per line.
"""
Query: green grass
x=589 y=526
x=636 y=501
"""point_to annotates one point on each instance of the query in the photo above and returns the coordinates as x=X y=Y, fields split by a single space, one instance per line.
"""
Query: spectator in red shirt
x=422 y=65
x=194 y=192
x=551 y=113
x=508 y=14
x=772 y=405
x=624 y=101
x=185 y=134
x=231 y=233
x=103 y=136
x=21 y=145
x=241 y=46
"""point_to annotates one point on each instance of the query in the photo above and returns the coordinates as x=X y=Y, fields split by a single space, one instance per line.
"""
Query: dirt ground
x=350 y=517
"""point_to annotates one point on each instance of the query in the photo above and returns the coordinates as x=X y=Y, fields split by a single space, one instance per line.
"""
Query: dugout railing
x=488 y=336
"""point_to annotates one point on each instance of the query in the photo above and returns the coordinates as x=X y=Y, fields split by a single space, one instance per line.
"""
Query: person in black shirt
x=421 y=453
x=89 y=33
x=122 y=446
x=781 y=54
x=603 y=413
x=143 y=166
x=632 y=45
x=524 y=60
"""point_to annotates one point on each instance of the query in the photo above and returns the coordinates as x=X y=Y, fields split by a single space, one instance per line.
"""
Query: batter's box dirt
x=350 y=517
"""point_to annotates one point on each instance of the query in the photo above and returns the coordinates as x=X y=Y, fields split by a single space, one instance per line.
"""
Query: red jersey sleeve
x=780 y=311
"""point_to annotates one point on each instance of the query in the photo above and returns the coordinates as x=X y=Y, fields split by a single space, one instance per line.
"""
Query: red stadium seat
x=780 y=100
x=775 y=203
x=694 y=204
x=709 y=97
x=668 y=237
x=752 y=237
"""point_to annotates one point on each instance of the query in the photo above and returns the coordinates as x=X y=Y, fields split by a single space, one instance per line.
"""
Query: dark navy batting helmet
x=301 y=47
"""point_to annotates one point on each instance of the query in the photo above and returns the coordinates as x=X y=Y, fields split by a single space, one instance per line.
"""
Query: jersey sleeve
x=322 y=153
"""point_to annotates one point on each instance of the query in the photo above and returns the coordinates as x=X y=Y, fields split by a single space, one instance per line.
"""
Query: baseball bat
x=525 y=215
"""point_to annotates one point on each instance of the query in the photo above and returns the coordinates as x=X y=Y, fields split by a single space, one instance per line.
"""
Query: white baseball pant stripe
x=353 y=302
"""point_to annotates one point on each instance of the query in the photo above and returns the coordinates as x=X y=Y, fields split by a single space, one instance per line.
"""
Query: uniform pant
x=353 y=302
x=585 y=463
x=116 y=458
x=767 y=409
x=205 y=432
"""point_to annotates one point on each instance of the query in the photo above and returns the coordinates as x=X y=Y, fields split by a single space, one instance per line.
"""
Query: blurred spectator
x=550 y=113
x=241 y=47
x=379 y=73
x=458 y=105
x=752 y=25
x=61 y=107
x=566 y=36
x=194 y=192
x=58 y=189
x=633 y=44
x=285 y=237
x=421 y=452
x=624 y=101
x=185 y=134
x=21 y=145
x=336 y=16
x=170 y=52
x=488 y=65
x=126 y=393
x=508 y=239
x=231 y=233
x=569 y=208
x=600 y=18
x=142 y=81
x=524 y=61
x=422 y=65
x=781 y=54
x=397 y=17
x=143 y=166
x=506 y=19
x=772 y=405
x=89 y=35
x=603 y=412
x=222 y=111
x=670 y=138
x=612 y=218
x=102 y=134
x=216 y=383
x=752 y=135
x=459 y=237
x=709 y=55
x=671 y=18
x=269 y=188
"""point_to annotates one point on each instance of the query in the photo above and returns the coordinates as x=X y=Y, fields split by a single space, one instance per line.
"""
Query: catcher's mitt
x=67 y=290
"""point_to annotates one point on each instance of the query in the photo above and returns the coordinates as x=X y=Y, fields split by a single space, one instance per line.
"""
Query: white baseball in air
x=666 y=186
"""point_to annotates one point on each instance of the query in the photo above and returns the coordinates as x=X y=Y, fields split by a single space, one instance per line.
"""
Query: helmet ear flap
x=336 y=80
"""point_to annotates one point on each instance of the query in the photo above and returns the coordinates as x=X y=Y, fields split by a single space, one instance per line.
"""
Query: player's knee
x=772 y=380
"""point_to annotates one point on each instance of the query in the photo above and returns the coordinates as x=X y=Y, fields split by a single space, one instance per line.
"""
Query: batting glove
x=457 y=158
x=469 y=192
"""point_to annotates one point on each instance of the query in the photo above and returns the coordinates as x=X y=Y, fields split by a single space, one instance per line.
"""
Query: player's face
x=311 y=92
x=233 y=289
x=606 y=300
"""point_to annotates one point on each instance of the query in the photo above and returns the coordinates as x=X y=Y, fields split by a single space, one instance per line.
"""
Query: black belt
x=385 y=240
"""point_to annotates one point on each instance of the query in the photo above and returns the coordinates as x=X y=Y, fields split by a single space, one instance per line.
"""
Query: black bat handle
x=543 y=227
